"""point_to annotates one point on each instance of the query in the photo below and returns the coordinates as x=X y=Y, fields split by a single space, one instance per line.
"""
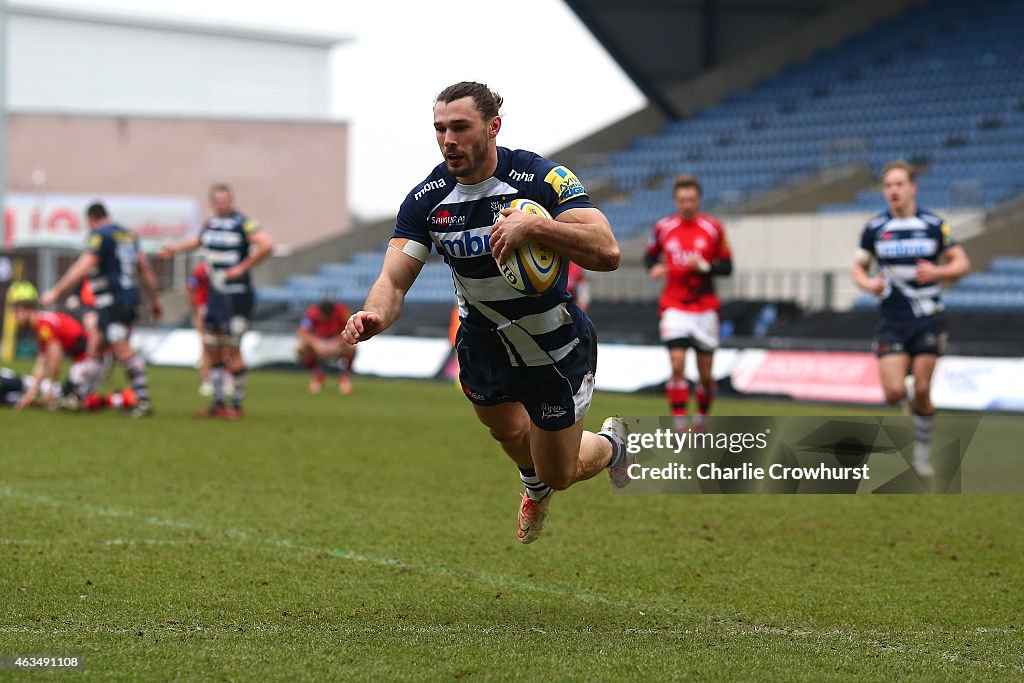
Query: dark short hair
x=97 y=211
x=220 y=187
x=687 y=180
x=326 y=308
x=900 y=165
x=486 y=100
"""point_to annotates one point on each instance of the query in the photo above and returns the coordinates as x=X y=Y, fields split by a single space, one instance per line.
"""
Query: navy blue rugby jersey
x=115 y=278
x=225 y=243
x=457 y=219
x=897 y=244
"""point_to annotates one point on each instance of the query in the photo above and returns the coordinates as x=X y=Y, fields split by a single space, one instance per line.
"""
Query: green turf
x=372 y=537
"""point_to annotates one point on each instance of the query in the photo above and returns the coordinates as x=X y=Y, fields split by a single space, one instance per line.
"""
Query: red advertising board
x=810 y=375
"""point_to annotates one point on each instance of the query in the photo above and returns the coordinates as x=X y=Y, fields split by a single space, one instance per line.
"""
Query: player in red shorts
x=59 y=335
x=198 y=287
x=320 y=343
x=688 y=249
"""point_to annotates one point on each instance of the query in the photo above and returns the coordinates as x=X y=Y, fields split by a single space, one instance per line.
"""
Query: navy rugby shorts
x=914 y=337
x=556 y=396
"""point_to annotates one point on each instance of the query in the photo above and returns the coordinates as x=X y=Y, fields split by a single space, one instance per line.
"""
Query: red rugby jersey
x=62 y=327
x=322 y=327
x=677 y=239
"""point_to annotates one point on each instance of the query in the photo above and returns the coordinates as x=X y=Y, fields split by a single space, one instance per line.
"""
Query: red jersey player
x=693 y=250
x=59 y=335
x=320 y=342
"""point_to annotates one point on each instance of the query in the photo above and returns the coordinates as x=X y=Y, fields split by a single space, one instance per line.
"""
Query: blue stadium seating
x=943 y=85
x=351 y=281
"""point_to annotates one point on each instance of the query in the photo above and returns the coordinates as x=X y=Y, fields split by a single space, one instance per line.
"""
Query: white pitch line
x=107 y=542
x=504 y=581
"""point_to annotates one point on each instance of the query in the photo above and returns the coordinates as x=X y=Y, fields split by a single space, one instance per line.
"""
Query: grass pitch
x=372 y=537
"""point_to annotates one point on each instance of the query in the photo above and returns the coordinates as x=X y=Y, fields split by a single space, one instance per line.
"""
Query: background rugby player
x=232 y=244
x=915 y=250
x=116 y=267
x=688 y=249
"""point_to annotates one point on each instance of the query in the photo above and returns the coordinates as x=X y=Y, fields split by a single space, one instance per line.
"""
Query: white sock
x=924 y=428
x=908 y=384
x=535 y=488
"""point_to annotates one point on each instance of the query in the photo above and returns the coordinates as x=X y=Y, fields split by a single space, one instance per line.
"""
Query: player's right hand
x=658 y=271
x=48 y=298
x=25 y=401
x=877 y=285
x=361 y=326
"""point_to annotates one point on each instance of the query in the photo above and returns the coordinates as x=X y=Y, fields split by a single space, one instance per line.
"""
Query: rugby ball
x=532 y=269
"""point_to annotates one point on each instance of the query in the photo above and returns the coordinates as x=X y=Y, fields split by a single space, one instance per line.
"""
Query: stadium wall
x=1002 y=235
x=772 y=247
x=291 y=176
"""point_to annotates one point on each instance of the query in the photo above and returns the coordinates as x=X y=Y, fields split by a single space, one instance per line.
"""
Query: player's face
x=22 y=317
x=222 y=203
x=688 y=202
x=899 y=191
x=466 y=139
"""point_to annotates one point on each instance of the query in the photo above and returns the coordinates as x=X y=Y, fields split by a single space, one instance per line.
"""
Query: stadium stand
x=941 y=85
x=351 y=281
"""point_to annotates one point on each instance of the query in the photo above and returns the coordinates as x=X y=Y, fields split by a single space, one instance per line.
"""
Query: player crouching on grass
x=59 y=335
x=526 y=363
x=320 y=343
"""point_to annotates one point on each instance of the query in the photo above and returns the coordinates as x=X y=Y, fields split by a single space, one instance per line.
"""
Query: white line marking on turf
x=867 y=639
x=107 y=542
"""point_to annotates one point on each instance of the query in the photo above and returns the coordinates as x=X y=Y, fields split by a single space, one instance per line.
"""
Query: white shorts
x=699 y=330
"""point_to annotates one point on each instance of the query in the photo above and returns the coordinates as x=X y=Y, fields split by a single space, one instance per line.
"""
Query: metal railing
x=809 y=288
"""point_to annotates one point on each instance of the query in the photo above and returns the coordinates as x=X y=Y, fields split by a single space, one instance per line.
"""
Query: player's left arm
x=72 y=276
x=721 y=262
x=955 y=263
x=260 y=246
x=582 y=234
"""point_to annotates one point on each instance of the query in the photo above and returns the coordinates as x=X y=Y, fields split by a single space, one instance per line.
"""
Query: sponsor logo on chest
x=915 y=247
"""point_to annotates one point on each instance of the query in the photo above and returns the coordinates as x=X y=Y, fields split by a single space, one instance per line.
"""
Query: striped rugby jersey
x=897 y=244
x=225 y=243
x=115 y=278
x=457 y=219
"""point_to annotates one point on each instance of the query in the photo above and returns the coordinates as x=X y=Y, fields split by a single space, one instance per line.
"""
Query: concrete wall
x=292 y=177
x=1003 y=236
x=777 y=256
x=60 y=60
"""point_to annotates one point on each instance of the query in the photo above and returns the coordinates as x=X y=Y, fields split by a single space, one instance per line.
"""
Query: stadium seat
x=940 y=83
